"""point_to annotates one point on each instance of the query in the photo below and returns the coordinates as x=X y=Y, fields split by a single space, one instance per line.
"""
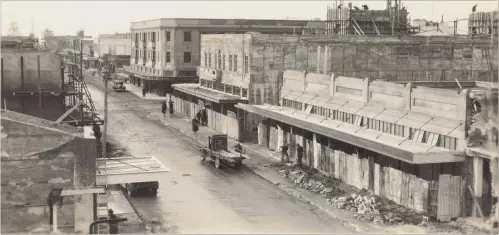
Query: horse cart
x=218 y=152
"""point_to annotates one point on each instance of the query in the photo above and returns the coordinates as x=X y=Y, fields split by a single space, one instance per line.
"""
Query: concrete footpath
x=260 y=159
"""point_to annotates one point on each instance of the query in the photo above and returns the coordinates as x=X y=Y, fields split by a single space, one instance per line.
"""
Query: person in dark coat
x=113 y=225
x=170 y=107
x=195 y=127
x=144 y=91
x=204 y=117
x=299 y=154
x=97 y=133
x=198 y=116
x=163 y=108
x=284 y=153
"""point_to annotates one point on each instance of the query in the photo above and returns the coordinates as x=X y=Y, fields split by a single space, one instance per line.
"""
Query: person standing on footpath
x=163 y=108
x=299 y=154
x=284 y=153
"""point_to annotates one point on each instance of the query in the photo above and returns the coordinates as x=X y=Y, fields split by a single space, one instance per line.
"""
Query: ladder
x=102 y=203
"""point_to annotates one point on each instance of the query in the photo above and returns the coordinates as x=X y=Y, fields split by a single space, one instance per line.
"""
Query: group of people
x=285 y=156
x=200 y=119
x=163 y=108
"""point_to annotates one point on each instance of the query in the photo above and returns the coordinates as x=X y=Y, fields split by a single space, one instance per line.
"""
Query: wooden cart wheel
x=217 y=162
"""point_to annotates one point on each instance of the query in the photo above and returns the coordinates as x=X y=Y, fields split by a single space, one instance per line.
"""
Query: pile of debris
x=365 y=205
x=326 y=188
x=371 y=208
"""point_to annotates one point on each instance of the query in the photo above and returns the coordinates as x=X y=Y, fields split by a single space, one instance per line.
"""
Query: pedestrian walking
x=113 y=225
x=163 y=108
x=144 y=91
x=299 y=154
x=97 y=133
x=195 y=127
x=284 y=153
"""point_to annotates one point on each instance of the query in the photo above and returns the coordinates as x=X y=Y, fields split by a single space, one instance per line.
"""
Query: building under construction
x=483 y=23
x=38 y=83
x=349 y=20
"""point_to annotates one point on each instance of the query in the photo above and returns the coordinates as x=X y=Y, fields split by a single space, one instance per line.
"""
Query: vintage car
x=119 y=86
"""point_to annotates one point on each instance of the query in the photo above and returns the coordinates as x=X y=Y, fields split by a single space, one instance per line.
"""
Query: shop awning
x=245 y=107
x=208 y=94
x=129 y=170
x=386 y=144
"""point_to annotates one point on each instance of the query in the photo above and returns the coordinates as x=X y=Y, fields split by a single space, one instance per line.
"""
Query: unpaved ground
x=366 y=206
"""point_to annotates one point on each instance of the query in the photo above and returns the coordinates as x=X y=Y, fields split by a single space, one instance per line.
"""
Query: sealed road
x=195 y=197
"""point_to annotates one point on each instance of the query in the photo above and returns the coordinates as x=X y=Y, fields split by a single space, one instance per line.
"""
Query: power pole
x=107 y=71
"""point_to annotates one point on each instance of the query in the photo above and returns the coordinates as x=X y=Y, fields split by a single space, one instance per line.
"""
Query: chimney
x=442 y=18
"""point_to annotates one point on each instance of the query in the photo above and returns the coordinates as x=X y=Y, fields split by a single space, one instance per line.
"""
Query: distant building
x=168 y=49
x=481 y=23
x=19 y=42
x=343 y=20
x=116 y=44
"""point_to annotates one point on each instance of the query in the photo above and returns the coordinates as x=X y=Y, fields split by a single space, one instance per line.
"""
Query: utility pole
x=107 y=71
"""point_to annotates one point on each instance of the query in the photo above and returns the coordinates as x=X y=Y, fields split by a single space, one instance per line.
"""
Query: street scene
x=375 y=117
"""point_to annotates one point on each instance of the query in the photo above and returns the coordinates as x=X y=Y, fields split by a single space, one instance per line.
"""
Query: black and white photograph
x=249 y=117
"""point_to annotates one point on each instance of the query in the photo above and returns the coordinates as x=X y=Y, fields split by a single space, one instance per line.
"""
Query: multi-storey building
x=115 y=44
x=166 y=51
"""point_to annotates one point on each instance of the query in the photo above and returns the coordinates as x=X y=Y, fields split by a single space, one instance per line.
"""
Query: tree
x=13 y=29
x=47 y=33
x=80 y=33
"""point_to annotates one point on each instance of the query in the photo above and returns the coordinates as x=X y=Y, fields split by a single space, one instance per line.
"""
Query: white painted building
x=117 y=44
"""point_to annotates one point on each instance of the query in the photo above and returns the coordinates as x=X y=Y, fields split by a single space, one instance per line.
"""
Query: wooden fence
x=441 y=199
x=216 y=121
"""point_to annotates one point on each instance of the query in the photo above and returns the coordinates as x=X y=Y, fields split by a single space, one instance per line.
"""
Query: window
x=230 y=62
x=236 y=90
x=228 y=89
x=209 y=60
x=223 y=62
x=205 y=59
x=187 y=36
x=203 y=82
x=219 y=65
x=187 y=57
x=168 y=57
x=136 y=37
x=168 y=36
x=246 y=64
x=235 y=63
x=218 y=86
x=153 y=36
x=245 y=93
x=153 y=55
x=209 y=84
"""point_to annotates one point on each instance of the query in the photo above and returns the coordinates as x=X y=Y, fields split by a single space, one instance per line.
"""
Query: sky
x=104 y=17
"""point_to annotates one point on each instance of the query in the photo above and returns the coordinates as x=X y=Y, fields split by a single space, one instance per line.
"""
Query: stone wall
x=385 y=58
x=36 y=160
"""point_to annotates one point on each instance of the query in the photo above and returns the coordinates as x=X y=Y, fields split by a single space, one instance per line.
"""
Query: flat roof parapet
x=178 y=22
